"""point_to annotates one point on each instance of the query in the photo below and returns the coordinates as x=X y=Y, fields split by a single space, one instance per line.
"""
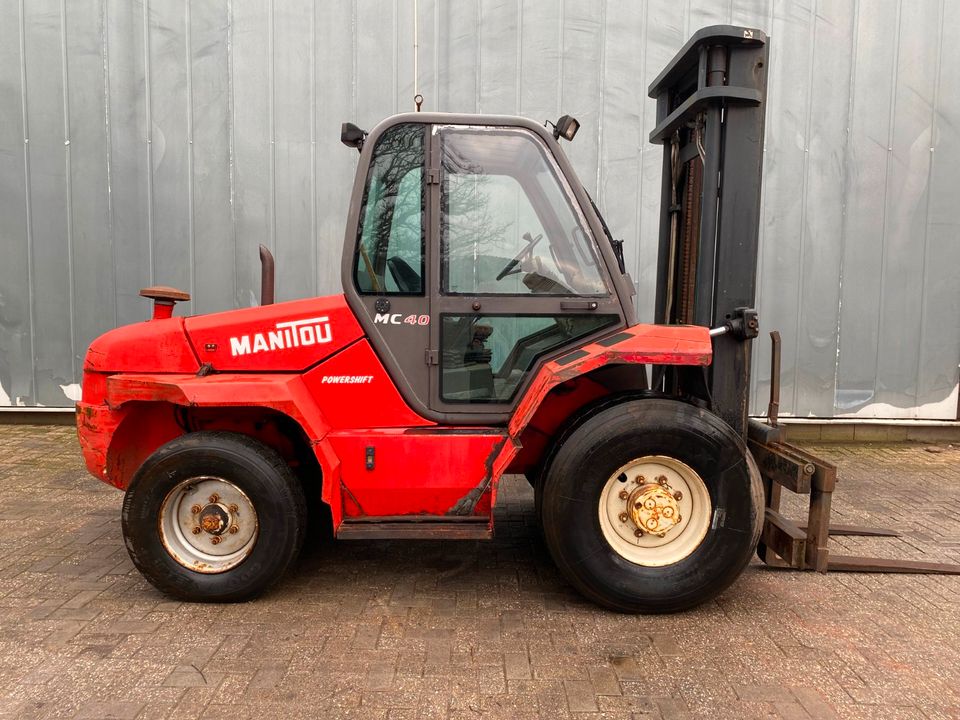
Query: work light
x=566 y=127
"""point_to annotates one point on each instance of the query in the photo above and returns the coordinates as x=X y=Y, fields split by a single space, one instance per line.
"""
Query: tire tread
x=157 y=570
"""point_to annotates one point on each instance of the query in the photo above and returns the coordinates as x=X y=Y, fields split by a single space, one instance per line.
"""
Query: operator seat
x=406 y=278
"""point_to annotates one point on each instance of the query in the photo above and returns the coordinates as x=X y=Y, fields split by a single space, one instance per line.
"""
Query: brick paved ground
x=474 y=630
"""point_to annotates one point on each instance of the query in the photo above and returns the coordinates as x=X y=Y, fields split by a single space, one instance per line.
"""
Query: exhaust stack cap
x=164 y=298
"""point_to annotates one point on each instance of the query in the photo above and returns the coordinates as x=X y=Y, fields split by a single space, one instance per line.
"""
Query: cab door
x=516 y=276
x=387 y=271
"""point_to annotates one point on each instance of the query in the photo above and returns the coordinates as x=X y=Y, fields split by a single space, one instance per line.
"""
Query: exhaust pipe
x=266 y=276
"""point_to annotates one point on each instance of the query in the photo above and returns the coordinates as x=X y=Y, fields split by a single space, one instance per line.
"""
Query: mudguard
x=285 y=393
x=636 y=345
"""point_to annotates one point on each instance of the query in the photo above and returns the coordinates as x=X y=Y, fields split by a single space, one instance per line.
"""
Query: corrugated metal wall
x=160 y=142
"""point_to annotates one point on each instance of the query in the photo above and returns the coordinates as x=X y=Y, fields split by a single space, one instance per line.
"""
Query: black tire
x=593 y=451
x=251 y=466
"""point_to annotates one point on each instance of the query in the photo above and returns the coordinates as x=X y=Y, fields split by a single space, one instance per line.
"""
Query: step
x=416 y=527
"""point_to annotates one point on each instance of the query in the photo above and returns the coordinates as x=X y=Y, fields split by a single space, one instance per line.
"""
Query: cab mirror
x=352 y=136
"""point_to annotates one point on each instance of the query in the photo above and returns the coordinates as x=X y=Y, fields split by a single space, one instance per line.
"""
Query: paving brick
x=516 y=666
x=626 y=668
x=762 y=693
x=604 y=681
x=109 y=710
x=673 y=709
x=186 y=676
x=130 y=627
x=81 y=599
x=380 y=675
x=791 y=711
x=666 y=644
x=580 y=695
x=267 y=677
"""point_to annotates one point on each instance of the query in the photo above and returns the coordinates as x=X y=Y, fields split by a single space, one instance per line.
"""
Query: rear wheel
x=651 y=505
x=213 y=516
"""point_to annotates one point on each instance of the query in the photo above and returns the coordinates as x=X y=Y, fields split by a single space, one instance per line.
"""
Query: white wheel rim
x=208 y=524
x=643 y=547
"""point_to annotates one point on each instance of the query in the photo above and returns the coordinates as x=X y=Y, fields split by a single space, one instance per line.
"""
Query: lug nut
x=196 y=530
x=638 y=533
x=624 y=494
x=215 y=539
x=234 y=529
x=662 y=479
x=214 y=498
x=234 y=507
x=196 y=509
x=640 y=480
x=678 y=495
x=624 y=517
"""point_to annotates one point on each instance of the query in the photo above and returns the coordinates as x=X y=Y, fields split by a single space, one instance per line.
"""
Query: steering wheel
x=531 y=242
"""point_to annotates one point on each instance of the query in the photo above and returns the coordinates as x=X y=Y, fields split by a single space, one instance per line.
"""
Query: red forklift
x=486 y=327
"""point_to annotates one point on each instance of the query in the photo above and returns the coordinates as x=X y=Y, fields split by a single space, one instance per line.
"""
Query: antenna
x=417 y=97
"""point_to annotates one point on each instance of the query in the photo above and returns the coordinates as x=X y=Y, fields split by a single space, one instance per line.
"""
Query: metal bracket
x=744 y=324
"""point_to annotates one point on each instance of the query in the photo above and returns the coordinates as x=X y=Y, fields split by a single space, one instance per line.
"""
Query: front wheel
x=213 y=516
x=652 y=505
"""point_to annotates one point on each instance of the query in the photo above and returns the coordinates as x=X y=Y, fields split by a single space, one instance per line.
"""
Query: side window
x=508 y=225
x=486 y=357
x=389 y=257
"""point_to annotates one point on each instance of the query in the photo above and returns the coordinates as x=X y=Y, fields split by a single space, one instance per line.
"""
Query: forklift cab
x=471 y=236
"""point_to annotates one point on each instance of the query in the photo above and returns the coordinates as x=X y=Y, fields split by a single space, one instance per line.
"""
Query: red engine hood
x=286 y=336
x=156 y=346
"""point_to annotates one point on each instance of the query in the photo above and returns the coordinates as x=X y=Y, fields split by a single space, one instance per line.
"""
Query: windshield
x=508 y=221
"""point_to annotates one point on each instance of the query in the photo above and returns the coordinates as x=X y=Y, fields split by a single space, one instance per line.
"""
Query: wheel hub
x=208 y=524
x=653 y=508
x=215 y=519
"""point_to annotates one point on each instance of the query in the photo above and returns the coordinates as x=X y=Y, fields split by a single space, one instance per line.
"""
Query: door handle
x=579 y=305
